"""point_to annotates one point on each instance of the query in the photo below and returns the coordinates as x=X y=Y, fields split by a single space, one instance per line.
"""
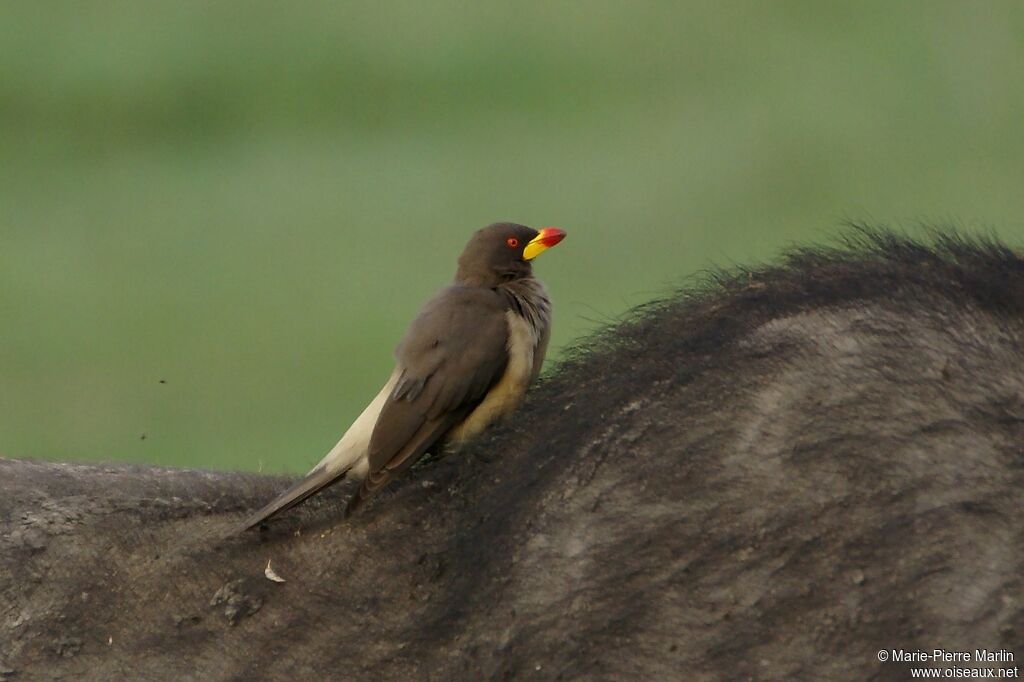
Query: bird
x=465 y=361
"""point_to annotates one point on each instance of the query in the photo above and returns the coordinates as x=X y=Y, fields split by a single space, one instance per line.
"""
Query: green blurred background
x=249 y=200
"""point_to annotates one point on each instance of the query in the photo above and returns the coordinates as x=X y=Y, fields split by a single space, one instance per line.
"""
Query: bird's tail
x=315 y=481
x=348 y=455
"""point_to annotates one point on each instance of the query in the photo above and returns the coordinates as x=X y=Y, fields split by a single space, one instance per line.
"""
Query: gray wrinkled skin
x=772 y=476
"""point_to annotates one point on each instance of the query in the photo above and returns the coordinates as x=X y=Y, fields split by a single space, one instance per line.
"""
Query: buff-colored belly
x=505 y=395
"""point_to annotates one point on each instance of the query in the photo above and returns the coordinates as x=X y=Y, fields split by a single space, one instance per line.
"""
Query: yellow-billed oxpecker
x=466 y=360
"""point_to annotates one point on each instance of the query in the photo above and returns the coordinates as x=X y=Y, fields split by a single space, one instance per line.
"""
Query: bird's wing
x=453 y=353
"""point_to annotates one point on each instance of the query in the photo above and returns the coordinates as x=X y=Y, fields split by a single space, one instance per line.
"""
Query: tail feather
x=348 y=455
x=315 y=481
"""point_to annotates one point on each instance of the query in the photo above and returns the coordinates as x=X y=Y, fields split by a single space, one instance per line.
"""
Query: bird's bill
x=548 y=237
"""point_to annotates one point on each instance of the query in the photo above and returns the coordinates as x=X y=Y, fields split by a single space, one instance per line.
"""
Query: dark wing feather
x=454 y=352
x=427 y=435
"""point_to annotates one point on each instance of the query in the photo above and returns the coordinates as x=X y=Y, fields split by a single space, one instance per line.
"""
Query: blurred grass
x=250 y=200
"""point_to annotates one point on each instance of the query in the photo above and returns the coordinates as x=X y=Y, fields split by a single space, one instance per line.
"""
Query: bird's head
x=502 y=252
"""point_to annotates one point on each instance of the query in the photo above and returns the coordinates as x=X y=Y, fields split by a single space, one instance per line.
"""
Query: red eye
x=512 y=242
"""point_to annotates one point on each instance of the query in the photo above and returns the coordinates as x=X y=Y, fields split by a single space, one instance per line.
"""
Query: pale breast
x=505 y=395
